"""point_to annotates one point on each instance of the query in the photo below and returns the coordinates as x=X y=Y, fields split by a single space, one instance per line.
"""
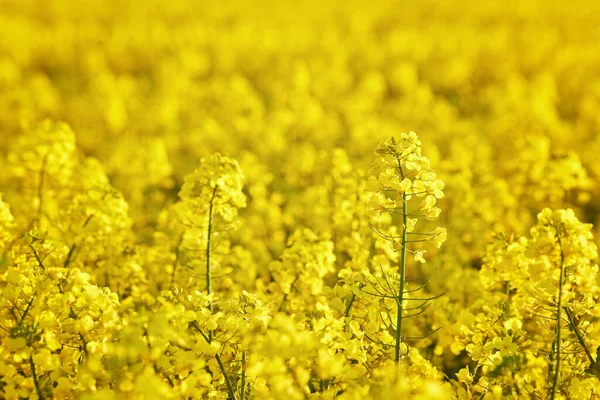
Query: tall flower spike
x=41 y=161
x=402 y=173
x=213 y=190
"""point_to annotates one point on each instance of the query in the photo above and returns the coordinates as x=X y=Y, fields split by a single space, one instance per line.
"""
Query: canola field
x=299 y=199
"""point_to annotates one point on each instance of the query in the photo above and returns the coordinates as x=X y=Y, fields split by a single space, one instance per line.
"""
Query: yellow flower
x=464 y=375
x=419 y=256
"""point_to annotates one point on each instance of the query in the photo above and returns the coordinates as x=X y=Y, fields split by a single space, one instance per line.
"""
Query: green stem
x=219 y=361
x=558 y=322
x=349 y=306
x=227 y=381
x=84 y=346
x=402 y=267
x=578 y=334
x=69 y=255
x=29 y=304
x=37 y=257
x=36 y=382
x=243 y=388
x=208 y=276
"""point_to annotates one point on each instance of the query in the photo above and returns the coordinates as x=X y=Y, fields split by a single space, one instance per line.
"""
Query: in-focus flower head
x=400 y=173
x=216 y=183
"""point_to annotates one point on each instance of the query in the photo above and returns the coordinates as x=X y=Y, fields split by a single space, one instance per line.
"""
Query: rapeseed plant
x=137 y=261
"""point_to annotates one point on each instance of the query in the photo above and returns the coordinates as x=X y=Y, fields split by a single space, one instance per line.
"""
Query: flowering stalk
x=570 y=292
x=403 y=173
x=213 y=191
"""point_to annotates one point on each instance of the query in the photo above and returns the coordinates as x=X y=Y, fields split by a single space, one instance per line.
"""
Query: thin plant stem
x=209 y=338
x=70 y=255
x=37 y=257
x=219 y=361
x=208 y=250
x=243 y=384
x=558 y=323
x=29 y=304
x=349 y=306
x=36 y=381
x=580 y=339
x=227 y=381
x=402 y=271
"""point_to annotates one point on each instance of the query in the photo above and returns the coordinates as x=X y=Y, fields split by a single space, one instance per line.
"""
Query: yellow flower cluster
x=403 y=173
x=536 y=317
x=190 y=206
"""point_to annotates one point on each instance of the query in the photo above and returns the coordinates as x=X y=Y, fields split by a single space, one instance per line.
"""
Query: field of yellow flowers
x=228 y=200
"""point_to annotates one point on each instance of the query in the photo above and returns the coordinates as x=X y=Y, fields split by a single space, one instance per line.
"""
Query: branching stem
x=219 y=361
x=580 y=339
x=29 y=304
